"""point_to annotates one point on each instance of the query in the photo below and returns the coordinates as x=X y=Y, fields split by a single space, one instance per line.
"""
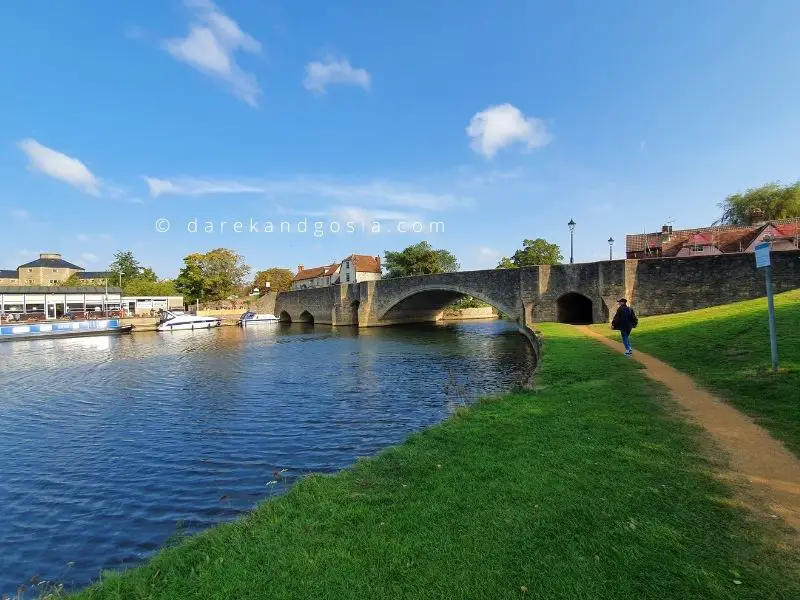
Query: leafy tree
x=211 y=276
x=140 y=286
x=191 y=280
x=75 y=281
x=533 y=252
x=280 y=280
x=765 y=203
x=124 y=262
x=419 y=259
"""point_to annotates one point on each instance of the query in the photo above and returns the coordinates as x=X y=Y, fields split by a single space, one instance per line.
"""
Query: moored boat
x=251 y=318
x=174 y=320
x=59 y=329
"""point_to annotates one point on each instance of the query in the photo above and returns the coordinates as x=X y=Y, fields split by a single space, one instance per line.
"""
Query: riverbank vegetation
x=726 y=349
x=587 y=487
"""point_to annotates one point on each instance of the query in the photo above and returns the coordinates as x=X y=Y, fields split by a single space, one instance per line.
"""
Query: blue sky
x=501 y=119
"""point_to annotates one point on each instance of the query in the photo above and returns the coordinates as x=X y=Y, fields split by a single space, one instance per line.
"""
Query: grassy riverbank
x=587 y=488
x=726 y=349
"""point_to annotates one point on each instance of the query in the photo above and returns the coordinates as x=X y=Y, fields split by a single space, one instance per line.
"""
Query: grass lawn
x=589 y=488
x=726 y=349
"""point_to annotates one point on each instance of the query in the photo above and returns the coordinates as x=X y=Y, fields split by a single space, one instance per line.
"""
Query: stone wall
x=483 y=312
x=670 y=285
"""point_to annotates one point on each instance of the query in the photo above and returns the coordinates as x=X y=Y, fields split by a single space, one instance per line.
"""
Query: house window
x=55 y=270
x=52 y=281
x=697 y=249
x=30 y=270
x=347 y=278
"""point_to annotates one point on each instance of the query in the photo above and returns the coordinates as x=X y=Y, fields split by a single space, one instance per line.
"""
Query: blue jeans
x=626 y=339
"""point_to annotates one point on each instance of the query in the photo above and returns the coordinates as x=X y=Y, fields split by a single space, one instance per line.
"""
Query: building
x=316 y=276
x=353 y=269
x=49 y=269
x=359 y=267
x=40 y=302
x=143 y=305
x=782 y=234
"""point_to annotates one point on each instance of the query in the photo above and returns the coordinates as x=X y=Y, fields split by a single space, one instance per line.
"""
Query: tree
x=211 y=276
x=533 y=252
x=280 y=280
x=765 y=203
x=124 y=262
x=139 y=286
x=419 y=259
x=75 y=281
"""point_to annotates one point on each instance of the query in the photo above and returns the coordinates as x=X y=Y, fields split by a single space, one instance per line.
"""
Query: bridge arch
x=306 y=317
x=574 y=308
x=427 y=302
x=285 y=317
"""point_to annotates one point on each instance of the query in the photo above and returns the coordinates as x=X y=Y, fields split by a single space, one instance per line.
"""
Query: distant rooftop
x=51 y=260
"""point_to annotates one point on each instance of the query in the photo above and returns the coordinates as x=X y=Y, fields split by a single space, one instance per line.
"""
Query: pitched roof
x=316 y=272
x=55 y=263
x=365 y=264
x=728 y=238
x=7 y=274
x=93 y=275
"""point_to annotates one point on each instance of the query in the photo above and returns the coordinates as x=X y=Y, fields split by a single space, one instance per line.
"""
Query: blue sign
x=762 y=255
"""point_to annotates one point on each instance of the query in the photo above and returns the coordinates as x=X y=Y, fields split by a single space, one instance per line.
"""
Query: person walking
x=624 y=321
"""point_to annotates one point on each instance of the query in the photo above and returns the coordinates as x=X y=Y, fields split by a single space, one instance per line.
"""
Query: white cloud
x=332 y=71
x=375 y=192
x=190 y=186
x=211 y=47
x=21 y=214
x=485 y=252
x=88 y=257
x=82 y=237
x=59 y=166
x=499 y=126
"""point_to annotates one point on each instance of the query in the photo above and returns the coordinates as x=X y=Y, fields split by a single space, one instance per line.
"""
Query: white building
x=359 y=267
x=353 y=269
x=315 y=277
x=142 y=305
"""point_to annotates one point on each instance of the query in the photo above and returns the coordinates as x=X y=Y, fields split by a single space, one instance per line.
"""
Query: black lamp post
x=571 y=226
x=610 y=248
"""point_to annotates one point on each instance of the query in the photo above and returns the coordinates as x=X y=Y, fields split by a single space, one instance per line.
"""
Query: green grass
x=726 y=349
x=588 y=488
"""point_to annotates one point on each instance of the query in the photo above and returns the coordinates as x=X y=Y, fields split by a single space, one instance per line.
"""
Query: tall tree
x=124 y=262
x=765 y=203
x=211 y=276
x=533 y=252
x=280 y=280
x=419 y=259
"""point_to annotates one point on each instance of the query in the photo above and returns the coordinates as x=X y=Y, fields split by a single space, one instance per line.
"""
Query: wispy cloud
x=211 y=47
x=59 y=166
x=20 y=214
x=88 y=257
x=499 y=126
x=333 y=71
x=371 y=193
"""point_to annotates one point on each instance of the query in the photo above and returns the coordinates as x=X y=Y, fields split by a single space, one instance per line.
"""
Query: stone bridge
x=579 y=293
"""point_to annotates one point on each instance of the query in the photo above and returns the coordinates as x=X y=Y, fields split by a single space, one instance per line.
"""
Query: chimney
x=666 y=232
x=299 y=268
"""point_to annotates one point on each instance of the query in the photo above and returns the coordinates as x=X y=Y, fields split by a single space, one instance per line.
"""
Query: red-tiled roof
x=365 y=264
x=316 y=272
x=728 y=238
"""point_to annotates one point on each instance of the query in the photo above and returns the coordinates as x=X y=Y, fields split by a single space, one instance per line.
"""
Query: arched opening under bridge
x=574 y=308
x=285 y=317
x=306 y=317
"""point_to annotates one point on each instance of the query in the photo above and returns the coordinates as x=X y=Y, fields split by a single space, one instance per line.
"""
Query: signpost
x=763 y=262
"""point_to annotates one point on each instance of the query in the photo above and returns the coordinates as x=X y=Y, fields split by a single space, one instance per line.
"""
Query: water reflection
x=109 y=442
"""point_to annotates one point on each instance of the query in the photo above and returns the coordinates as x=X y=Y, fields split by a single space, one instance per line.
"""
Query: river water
x=111 y=445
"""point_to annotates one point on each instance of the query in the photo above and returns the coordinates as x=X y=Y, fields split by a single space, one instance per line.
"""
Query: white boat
x=251 y=318
x=172 y=320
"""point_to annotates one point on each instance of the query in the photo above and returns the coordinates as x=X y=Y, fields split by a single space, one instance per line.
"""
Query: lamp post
x=610 y=248
x=571 y=226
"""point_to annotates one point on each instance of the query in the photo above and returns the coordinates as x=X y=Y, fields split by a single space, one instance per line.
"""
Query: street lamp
x=610 y=248
x=571 y=226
